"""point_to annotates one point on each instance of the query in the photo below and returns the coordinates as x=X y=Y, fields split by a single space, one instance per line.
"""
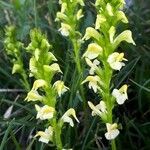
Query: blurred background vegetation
x=16 y=130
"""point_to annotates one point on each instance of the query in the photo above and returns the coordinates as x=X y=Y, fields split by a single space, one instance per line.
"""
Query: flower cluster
x=102 y=59
x=43 y=67
x=69 y=16
x=13 y=48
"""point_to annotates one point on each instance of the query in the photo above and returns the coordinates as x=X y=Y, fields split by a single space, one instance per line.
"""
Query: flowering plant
x=103 y=60
x=43 y=68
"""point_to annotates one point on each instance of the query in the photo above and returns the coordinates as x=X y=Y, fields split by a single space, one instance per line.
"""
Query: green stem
x=57 y=135
x=77 y=55
x=26 y=83
x=107 y=96
x=35 y=14
x=76 y=47
x=113 y=145
x=108 y=75
x=24 y=75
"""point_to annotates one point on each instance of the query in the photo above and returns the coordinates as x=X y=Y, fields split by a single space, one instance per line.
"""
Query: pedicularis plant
x=43 y=67
x=13 y=48
x=69 y=16
x=103 y=60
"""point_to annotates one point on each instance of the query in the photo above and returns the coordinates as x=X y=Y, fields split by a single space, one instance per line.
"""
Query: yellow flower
x=109 y=9
x=124 y=36
x=61 y=16
x=45 y=112
x=37 y=54
x=112 y=131
x=115 y=60
x=16 y=68
x=38 y=84
x=93 y=51
x=99 y=20
x=112 y=32
x=66 y=117
x=79 y=14
x=60 y=87
x=93 y=82
x=121 y=94
x=99 y=109
x=32 y=66
x=93 y=65
x=98 y=2
x=122 y=3
x=81 y=2
x=65 y=29
x=33 y=96
x=54 y=68
x=63 y=7
x=91 y=33
x=51 y=57
x=121 y=16
x=45 y=136
x=60 y=1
